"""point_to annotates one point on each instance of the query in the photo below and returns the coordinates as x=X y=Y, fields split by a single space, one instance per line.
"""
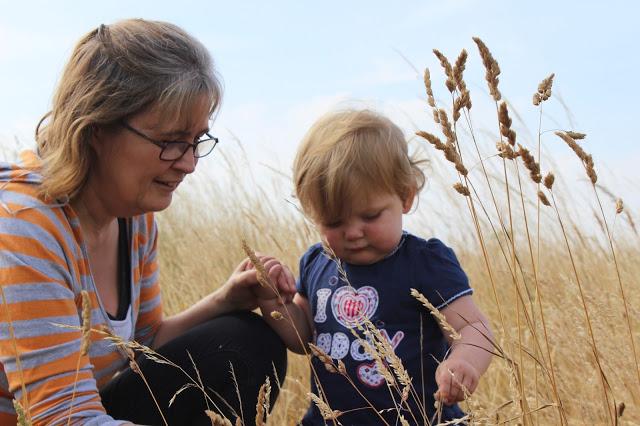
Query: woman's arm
x=39 y=267
x=209 y=307
x=241 y=292
x=236 y=294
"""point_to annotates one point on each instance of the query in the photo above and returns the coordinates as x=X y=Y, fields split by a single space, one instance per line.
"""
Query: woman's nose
x=186 y=163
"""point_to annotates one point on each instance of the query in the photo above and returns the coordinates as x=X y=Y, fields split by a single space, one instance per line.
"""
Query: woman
x=130 y=118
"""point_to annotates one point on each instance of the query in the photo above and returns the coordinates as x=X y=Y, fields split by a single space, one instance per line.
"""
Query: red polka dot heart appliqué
x=352 y=306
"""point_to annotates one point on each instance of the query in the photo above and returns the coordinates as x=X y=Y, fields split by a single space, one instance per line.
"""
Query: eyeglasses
x=174 y=150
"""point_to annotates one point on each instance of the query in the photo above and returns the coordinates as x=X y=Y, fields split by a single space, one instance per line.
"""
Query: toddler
x=355 y=180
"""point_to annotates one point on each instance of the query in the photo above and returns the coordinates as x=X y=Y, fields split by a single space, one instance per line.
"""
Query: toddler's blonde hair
x=349 y=154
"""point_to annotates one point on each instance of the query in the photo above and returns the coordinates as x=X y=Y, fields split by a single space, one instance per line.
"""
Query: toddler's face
x=370 y=232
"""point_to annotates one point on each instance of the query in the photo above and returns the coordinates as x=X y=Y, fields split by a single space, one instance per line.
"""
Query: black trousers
x=241 y=341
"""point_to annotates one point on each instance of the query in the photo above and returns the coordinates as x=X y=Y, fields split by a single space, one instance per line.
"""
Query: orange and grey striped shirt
x=43 y=268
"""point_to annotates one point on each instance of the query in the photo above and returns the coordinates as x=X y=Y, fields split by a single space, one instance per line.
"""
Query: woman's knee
x=244 y=333
x=260 y=342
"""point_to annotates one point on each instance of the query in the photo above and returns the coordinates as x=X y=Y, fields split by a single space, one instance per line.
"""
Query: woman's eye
x=332 y=224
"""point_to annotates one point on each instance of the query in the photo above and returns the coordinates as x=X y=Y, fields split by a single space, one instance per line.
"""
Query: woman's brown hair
x=114 y=72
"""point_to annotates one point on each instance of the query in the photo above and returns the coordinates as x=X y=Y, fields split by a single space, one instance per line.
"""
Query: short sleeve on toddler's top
x=381 y=293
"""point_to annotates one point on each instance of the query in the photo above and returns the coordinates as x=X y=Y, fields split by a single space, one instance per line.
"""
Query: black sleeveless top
x=124 y=271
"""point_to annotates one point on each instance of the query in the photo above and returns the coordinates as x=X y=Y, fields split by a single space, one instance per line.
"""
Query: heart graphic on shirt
x=368 y=374
x=352 y=306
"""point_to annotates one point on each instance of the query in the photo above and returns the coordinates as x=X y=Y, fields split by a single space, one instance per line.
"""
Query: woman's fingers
x=244 y=265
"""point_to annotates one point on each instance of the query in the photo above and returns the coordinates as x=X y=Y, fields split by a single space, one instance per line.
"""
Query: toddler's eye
x=371 y=217
x=332 y=224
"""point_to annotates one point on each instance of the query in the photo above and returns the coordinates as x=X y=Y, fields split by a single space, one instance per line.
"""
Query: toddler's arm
x=292 y=321
x=470 y=355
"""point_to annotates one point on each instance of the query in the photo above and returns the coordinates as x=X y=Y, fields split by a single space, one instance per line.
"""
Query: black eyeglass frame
x=165 y=144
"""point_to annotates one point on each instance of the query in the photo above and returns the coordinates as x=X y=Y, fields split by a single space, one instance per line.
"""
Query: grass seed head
x=323 y=357
x=620 y=409
x=261 y=273
x=276 y=315
x=548 y=180
x=458 y=70
x=530 y=163
x=536 y=99
x=462 y=101
x=506 y=151
x=492 y=69
x=326 y=411
x=461 y=189
x=576 y=135
x=432 y=139
x=217 y=419
x=505 y=124
x=445 y=125
x=450 y=83
x=586 y=159
x=427 y=85
x=86 y=322
x=436 y=116
x=544 y=88
x=543 y=198
x=262 y=405
x=20 y=413
x=453 y=333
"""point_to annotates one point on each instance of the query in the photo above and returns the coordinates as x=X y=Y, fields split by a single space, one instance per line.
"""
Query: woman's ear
x=408 y=200
x=94 y=136
x=97 y=135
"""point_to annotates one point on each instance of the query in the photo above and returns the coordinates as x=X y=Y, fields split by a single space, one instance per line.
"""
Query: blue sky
x=285 y=62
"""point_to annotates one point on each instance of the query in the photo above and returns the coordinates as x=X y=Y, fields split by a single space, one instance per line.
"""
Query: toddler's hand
x=281 y=278
x=281 y=281
x=454 y=377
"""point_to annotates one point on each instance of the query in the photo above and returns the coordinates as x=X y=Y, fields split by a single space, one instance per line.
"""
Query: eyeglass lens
x=173 y=151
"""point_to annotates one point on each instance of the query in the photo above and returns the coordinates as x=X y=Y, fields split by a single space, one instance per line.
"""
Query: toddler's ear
x=408 y=200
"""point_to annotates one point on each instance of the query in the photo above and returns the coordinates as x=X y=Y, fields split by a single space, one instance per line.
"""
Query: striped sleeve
x=146 y=276
x=39 y=341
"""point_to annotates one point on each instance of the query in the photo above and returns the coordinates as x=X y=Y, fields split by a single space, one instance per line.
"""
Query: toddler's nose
x=353 y=232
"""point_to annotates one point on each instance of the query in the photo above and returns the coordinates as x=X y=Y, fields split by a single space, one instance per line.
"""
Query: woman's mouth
x=168 y=184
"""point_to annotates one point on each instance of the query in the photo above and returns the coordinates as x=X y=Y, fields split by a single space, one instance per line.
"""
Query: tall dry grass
x=553 y=260
x=217 y=229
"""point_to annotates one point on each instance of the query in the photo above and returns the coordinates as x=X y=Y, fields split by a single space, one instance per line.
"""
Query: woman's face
x=129 y=178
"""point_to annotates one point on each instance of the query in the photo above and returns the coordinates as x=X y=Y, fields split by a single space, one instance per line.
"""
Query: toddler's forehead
x=360 y=202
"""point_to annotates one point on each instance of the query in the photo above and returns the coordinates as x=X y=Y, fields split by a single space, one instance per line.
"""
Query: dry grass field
x=556 y=310
x=559 y=282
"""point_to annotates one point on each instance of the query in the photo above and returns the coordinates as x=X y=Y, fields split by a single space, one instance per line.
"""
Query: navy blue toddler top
x=381 y=292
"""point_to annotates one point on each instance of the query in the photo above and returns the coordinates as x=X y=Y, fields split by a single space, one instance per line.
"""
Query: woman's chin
x=155 y=204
